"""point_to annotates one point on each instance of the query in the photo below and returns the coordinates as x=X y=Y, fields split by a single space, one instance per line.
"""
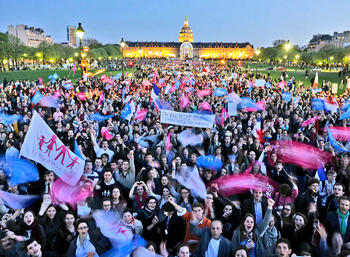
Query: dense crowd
x=132 y=172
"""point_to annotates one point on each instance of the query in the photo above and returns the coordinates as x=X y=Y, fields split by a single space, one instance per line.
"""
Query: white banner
x=259 y=82
x=335 y=88
x=187 y=119
x=232 y=109
x=43 y=146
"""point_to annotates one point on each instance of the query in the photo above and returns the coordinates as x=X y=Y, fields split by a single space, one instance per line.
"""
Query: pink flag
x=303 y=155
x=168 y=145
x=141 y=114
x=72 y=194
x=262 y=104
x=309 y=121
x=57 y=94
x=74 y=68
x=40 y=80
x=66 y=95
x=205 y=106
x=81 y=96
x=281 y=84
x=237 y=184
x=155 y=75
x=103 y=77
x=340 y=133
x=223 y=117
x=146 y=83
x=102 y=98
x=105 y=133
x=184 y=102
x=204 y=92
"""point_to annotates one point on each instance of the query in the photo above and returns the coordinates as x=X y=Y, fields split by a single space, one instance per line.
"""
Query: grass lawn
x=44 y=74
x=299 y=75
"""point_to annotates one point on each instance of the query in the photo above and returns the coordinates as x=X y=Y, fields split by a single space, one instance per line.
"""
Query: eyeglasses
x=83 y=228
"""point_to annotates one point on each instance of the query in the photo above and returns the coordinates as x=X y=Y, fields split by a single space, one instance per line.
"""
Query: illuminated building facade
x=186 y=48
x=71 y=35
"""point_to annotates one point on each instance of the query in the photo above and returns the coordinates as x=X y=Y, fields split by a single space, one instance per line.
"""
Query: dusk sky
x=259 y=22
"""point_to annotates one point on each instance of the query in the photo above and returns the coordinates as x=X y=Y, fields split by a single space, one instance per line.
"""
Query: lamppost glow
x=140 y=52
x=288 y=46
x=256 y=66
x=80 y=33
x=122 y=44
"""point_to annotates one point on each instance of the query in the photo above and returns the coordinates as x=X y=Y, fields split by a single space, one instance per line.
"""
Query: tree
x=16 y=47
x=112 y=50
x=92 y=43
x=278 y=42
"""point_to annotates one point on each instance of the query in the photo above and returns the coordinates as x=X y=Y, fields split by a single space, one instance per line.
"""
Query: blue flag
x=164 y=105
x=76 y=150
x=126 y=111
x=317 y=104
x=268 y=85
x=287 y=96
x=98 y=117
x=177 y=84
x=321 y=173
x=345 y=115
x=20 y=171
x=220 y=92
x=209 y=162
x=37 y=97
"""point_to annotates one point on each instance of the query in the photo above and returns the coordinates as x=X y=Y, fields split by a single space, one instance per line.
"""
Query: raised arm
x=265 y=222
x=178 y=208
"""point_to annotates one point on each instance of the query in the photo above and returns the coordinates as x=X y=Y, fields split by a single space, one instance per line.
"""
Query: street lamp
x=288 y=46
x=256 y=66
x=122 y=45
x=80 y=33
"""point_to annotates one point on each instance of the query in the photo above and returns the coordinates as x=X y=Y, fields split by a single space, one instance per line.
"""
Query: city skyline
x=256 y=22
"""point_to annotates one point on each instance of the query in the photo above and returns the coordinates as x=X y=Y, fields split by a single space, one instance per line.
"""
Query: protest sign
x=187 y=119
x=334 y=88
x=232 y=109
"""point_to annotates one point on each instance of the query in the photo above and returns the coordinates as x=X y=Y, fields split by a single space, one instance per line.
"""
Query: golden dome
x=186 y=34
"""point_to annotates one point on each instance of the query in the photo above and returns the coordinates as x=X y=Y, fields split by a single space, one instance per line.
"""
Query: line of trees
x=12 y=48
x=327 y=55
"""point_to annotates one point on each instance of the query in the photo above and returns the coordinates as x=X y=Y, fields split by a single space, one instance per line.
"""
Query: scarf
x=343 y=218
x=140 y=204
x=248 y=235
x=270 y=236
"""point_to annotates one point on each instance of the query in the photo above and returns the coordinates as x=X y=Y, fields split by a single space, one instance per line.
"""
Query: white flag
x=43 y=146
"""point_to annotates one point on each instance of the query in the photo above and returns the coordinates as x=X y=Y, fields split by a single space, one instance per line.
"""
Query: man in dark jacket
x=309 y=196
x=256 y=206
x=174 y=228
x=211 y=242
x=337 y=221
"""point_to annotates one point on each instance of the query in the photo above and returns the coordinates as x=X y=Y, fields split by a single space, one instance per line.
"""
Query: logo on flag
x=43 y=146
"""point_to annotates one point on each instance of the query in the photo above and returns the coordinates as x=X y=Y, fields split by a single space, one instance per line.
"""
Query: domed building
x=186 y=34
x=185 y=48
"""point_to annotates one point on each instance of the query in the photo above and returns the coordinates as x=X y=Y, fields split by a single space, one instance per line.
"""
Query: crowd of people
x=132 y=171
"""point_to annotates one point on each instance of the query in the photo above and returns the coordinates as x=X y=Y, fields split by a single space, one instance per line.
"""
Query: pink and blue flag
x=334 y=143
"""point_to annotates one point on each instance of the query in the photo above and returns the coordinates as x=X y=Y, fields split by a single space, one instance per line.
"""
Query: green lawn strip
x=44 y=74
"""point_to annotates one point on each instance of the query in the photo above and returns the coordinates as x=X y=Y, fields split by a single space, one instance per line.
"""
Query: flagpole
x=69 y=74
